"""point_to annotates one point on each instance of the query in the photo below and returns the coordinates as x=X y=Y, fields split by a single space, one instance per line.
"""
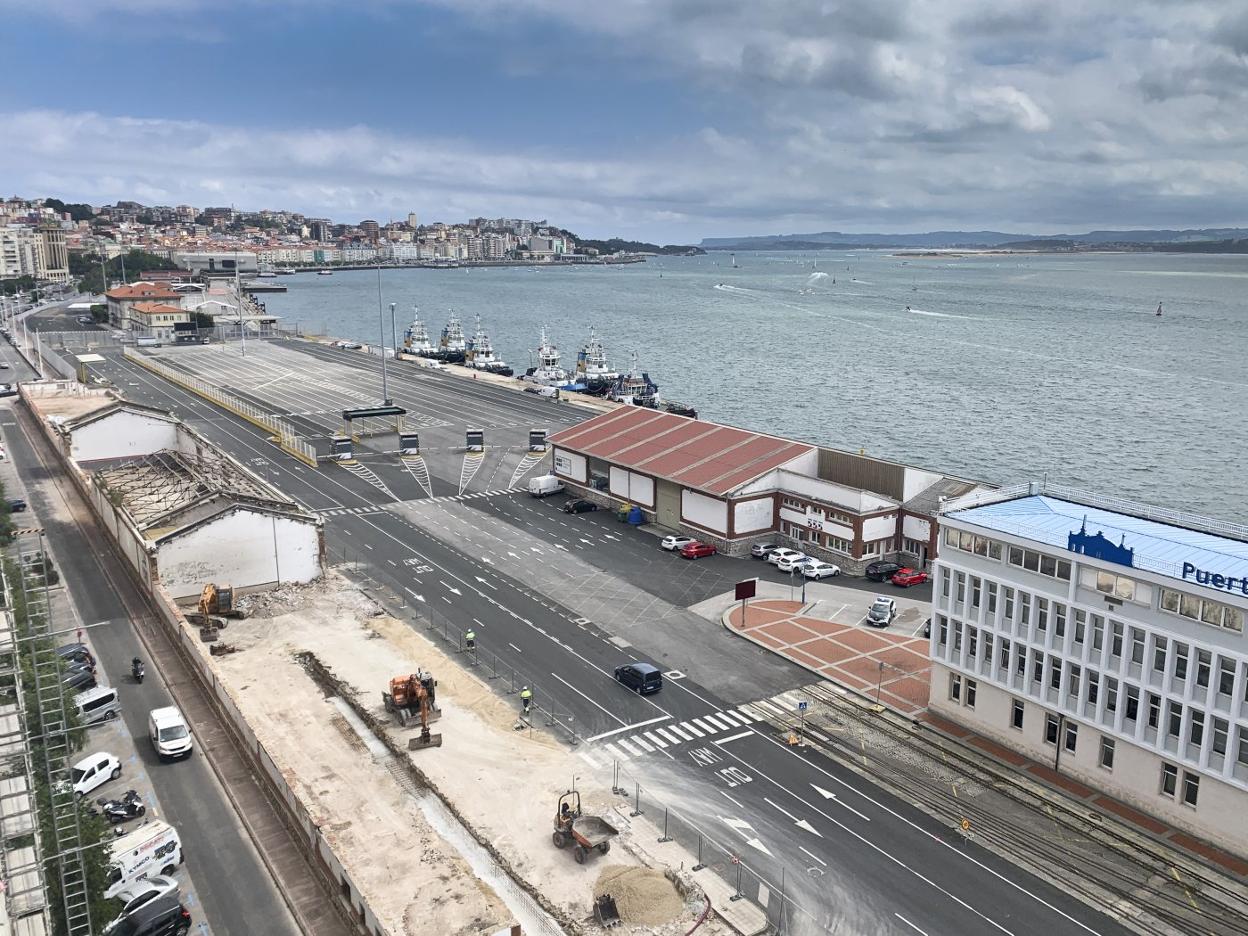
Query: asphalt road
x=235 y=894
x=855 y=859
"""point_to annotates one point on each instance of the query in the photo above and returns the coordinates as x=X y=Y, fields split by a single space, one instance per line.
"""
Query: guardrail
x=287 y=438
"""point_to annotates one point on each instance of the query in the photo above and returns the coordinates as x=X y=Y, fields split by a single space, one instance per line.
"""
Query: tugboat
x=635 y=388
x=480 y=354
x=452 y=346
x=416 y=338
x=592 y=368
x=548 y=373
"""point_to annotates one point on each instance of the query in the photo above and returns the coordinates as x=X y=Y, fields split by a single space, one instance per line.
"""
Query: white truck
x=168 y=732
x=546 y=484
x=152 y=848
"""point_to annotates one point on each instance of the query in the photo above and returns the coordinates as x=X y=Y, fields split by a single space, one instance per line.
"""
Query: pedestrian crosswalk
x=654 y=739
x=373 y=508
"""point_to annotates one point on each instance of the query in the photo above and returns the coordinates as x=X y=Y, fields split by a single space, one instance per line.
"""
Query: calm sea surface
x=1003 y=369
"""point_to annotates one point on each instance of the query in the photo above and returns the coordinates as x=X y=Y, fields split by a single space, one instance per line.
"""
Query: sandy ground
x=505 y=783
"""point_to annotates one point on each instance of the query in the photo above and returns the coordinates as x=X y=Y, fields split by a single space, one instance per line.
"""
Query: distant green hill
x=616 y=245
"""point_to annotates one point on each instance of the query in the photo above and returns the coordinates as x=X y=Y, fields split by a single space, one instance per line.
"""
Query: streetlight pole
x=381 y=328
x=238 y=298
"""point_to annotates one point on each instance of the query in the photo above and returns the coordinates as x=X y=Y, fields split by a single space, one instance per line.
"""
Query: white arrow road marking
x=800 y=823
x=485 y=582
x=832 y=796
x=733 y=822
x=513 y=555
x=755 y=843
x=414 y=595
x=450 y=588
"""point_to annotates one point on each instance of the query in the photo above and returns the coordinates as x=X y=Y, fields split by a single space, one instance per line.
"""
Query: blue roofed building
x=1105 y=637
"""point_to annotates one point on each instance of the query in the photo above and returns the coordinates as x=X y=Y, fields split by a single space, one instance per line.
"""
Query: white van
x=546 y=484
x=98 y=704
x=152 y=848
x=168 y=732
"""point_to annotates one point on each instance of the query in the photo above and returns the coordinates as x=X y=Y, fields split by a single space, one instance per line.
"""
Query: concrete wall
x=122 y=435
x=878 y=528
x=753 y=515
x=570 y=465
x=916 y=528
x=1135 y=778
x=240 y=549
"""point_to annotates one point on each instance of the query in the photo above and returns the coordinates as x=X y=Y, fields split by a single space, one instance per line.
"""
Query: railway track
x=1144 y=885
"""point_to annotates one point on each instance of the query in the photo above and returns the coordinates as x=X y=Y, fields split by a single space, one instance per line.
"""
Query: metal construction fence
x=731 y=865
x=284 y=432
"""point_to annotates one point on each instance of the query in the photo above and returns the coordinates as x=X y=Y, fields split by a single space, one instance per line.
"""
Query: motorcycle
x=137 y=670
x=130 y=806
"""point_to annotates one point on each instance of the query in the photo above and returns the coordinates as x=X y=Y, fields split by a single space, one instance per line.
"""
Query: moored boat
x=480 y=354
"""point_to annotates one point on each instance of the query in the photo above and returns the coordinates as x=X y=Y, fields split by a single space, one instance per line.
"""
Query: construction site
x=453 y=835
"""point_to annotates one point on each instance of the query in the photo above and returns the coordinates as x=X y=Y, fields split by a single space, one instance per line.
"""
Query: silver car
x=139 y=894
x=882 y=612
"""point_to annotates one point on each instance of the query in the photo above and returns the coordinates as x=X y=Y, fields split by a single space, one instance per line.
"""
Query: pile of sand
x=643 y=895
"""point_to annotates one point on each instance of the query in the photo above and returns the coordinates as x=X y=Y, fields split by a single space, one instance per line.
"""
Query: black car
x=164 y=916
x=77 y=655
x=640 y=677
x=17 y=505
x=78 y=678
x=883 y=570
x=579 y=506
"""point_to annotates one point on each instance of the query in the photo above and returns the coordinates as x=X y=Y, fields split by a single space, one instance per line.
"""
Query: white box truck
x=152 y=848
x=546 y=484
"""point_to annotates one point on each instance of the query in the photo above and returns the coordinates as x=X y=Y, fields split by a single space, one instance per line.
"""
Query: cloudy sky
x=662 y=120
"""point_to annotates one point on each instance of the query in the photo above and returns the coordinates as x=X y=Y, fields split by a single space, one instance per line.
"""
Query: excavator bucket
x=424 y=740
x=606 y=912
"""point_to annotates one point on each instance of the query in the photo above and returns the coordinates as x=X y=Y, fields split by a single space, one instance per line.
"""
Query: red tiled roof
x=142 y=291
x=692 y=452
x=150 y=308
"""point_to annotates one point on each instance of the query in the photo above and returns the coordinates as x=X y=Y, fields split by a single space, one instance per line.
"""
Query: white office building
x=1105 y=638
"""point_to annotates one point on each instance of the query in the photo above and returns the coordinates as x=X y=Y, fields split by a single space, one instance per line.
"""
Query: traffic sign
x=801 y=706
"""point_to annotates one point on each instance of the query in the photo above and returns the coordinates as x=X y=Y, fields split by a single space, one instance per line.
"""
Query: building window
x=1137 y=646
x=1115 y=646
x=1204 y=667
x=1133 y=703
x=1221 y=734
x=1059 y=620
x=1107 y=753
x=1020 y=662
x=1037 y=667
x=944 y=582
x=1169 y=780
x=957 y=636
x=1009 y=603
x=1196 y=732
x=1191 y=787
x=1159 y=655
x=968 y=542
x=1081 y=620
x=1094 y=687
x=1016 y=719
x=1154 y=710
x=1072 y=681
x=1118 y=586
x=1209 y=612
x=1180 y=661
x=1005 y=654
x=992 y=597
x=1055 y=672
x=1174 y=719
x=1111 y=694
x=1098 y=633
x=836 y=544
x=955 y=687
x=1226 y=676
x=1242 y=752
x=1072 y=736
x=1042 y=614
x=1050 y=729
x=1024 y=606
x=1039 y=562
x=972 y=642
x=971 y=686
x=943 y=623
x=976 y=586
x=961 y=587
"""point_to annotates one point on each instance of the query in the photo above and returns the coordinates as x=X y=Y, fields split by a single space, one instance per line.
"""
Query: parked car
x=640 y=677
x=8 y=389
x=93 y=771
x=97 y=705
x=16 y=505
x=776 y=556
x=163 y=916
x=140 y=894
x=882 y=611
x=544 y=486
x=78 y=678
x=817 y=569
x=76 y=653
x=4 y=365
x=675 y=542
x=794 y=562
x=763 y=550
x=579 y=506
x=882 y=570
x=696 y=550
x=907 y=577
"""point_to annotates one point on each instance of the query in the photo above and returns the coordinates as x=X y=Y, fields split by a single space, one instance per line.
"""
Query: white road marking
x=720 y=722
x=588 y=699
x=655 y=740
x=904 y=920
x=615 y=752
x=813 y=855
x=514 y=647
x=642 y=743
x=800 y=823
x=589 y=759
x=689 y=727
x=669 y=734
x=734 y=718
x=749 y=713
x=705 y=726
x=735 y=737
x=615 y=731
x=832 y=796
x=633 y=752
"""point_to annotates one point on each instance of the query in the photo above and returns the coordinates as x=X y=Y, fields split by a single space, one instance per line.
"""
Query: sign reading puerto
x=1214 y=580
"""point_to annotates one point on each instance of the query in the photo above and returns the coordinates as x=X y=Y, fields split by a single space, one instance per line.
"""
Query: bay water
x=996 y=367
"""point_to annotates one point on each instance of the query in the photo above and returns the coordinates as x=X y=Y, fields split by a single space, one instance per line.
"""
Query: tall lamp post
x=381 y=329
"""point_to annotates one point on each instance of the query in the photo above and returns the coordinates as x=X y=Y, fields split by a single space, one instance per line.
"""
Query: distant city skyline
x=665 y=122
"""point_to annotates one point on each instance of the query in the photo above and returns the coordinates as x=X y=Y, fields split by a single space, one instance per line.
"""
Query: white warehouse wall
x=916 y=528
x=752 y=515
x=877 y=528
x=708 y=512
x=237 y=549
x=122 y=435
x=570 y=465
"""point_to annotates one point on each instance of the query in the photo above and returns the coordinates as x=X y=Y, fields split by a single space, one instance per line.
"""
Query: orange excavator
x=414 y=697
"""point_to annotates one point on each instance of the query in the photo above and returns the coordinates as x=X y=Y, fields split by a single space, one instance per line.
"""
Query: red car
x=907 y=577
x=696 y=550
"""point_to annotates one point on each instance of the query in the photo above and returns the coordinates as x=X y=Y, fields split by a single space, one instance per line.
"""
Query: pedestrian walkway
x=892 y=669
x=1140 y=821
x=713 y=727
x=360 y=511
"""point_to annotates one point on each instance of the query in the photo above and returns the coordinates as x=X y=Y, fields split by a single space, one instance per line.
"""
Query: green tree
x=76 y=210
x=86 y=267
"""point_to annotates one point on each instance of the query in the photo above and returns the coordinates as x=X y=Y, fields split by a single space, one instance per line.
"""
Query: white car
x=674 y=543
x=817 y=569
x=169 y=733
x=794 y=563
x=882 y=611
x=138 y=894
x=776 y=556
x=93 y=771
